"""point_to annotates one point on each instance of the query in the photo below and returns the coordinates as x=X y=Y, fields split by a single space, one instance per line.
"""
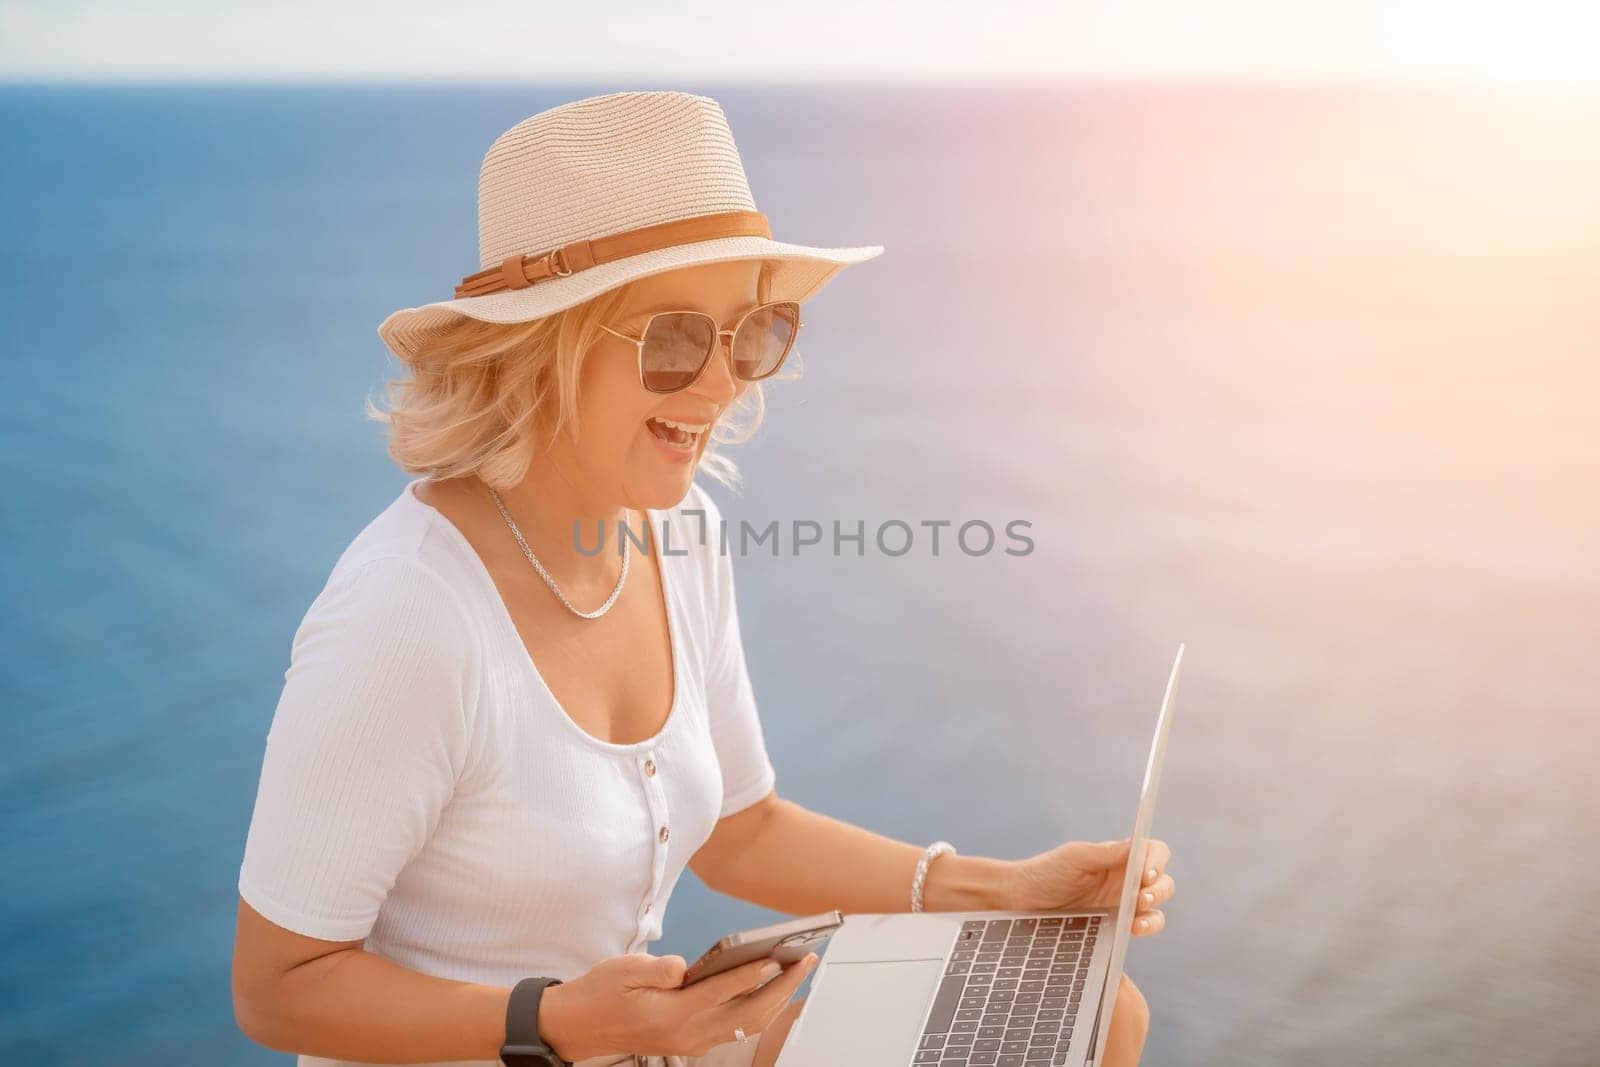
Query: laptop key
x=929 y=1055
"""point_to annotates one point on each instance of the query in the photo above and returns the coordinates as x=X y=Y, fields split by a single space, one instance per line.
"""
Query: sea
x=1305 y=378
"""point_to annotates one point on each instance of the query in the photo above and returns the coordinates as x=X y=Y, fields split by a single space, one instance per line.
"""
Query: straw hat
x=583 y=197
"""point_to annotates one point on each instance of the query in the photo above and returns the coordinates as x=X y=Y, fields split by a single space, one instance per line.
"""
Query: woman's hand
x=1085 y=874
x=637 y=1004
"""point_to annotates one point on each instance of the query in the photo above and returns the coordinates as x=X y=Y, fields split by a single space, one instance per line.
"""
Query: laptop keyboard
x=1010 y=992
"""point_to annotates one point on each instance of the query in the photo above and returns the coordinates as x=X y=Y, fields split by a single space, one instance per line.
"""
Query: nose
x=718 y=382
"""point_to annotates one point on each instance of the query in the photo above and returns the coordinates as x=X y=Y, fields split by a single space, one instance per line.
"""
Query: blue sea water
x=1306 y=379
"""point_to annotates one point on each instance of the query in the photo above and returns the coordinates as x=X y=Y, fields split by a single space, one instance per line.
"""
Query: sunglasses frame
x=716 y=343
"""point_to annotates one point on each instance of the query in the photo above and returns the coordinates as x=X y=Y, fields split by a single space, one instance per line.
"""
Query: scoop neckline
x=509 y=626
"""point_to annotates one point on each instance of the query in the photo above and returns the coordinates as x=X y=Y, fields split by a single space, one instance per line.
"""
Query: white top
x=423 y=789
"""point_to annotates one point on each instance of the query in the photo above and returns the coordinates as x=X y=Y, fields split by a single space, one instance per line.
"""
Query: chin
x=661 y=497
x=662 y=476
x=659 y=486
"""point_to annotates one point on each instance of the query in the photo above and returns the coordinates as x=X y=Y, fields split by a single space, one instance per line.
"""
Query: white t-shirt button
x=650 y=768
x=663 y=835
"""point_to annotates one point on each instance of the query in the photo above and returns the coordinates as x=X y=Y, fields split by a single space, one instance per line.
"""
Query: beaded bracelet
x=938 y=848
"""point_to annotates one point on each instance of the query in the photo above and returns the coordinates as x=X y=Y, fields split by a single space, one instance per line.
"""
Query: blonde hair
x=483 y=395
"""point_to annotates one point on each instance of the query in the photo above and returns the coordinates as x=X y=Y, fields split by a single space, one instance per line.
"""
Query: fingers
x=1149 y=922
x=755 y=1012
x=1158 y=893
x=1155 y=860
x=734 y=982
x=1158 y=888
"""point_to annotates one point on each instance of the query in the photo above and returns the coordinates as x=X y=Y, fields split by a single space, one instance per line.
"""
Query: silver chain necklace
x=551 y=582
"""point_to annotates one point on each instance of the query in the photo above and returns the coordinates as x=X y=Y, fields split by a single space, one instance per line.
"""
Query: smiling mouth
x=677 y=434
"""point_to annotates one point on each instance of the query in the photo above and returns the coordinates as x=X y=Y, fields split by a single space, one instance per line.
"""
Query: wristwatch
x=524 y=1047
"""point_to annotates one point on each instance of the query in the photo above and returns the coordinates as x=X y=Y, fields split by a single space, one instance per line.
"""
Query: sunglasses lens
x=675 y=348
x=764 y=340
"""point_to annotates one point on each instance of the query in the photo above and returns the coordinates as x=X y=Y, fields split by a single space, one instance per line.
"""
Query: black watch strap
x=524 y=1047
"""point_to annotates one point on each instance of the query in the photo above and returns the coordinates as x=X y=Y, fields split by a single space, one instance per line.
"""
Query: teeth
x=686 y=427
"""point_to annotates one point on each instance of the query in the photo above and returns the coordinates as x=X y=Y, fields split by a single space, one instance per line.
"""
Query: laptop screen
x=1135 y=872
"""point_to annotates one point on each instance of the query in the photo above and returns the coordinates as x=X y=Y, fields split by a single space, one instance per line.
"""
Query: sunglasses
x=676 y=346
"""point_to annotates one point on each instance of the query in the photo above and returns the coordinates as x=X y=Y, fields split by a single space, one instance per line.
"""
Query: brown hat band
x=521 y=271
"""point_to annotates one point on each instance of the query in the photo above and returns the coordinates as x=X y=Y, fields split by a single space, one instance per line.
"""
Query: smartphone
x=785 y=942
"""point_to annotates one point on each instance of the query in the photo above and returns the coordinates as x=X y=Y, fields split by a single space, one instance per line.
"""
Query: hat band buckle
x=523 y=270
x=553 y=258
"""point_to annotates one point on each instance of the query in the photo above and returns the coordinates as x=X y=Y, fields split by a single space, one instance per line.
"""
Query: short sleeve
x=747 y=772
x=369 y=737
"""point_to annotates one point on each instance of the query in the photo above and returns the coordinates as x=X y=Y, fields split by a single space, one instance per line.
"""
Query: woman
x=496 y=748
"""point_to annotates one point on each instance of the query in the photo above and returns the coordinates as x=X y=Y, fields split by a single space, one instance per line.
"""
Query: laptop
x=979 y=988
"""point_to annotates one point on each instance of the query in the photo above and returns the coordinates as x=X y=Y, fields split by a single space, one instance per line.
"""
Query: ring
x=740 y=1035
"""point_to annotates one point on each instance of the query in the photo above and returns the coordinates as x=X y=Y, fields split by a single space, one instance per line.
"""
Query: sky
x=1538 y=42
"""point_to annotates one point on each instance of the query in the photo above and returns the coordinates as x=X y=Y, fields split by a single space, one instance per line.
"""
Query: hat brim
x=802 y=272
